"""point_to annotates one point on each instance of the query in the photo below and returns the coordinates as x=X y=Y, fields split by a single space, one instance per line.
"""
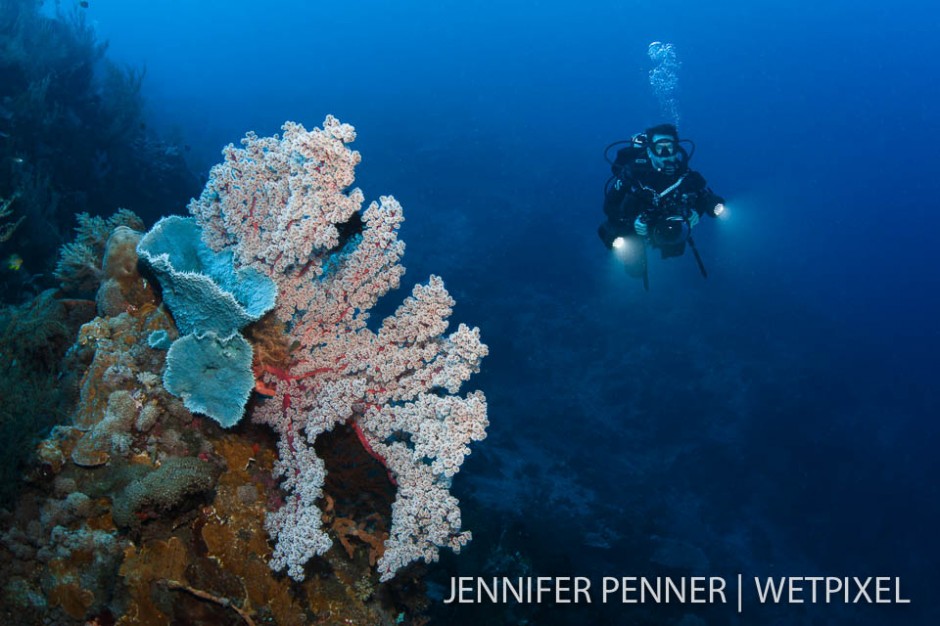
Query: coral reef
x=73 y=138
x=202 y=288
x=81 y=265
x=281 y=205
x=34 y=338
x=122 y=284
x=8 y=227
x=210 y=367
x=211 y=374
x=134 y=510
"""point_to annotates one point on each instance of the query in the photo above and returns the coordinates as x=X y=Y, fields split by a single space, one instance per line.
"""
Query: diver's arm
x=710 y=203
x=620 y=204
x=705 y=200
x=613 y=203
x=621 y=209
x=610 y=230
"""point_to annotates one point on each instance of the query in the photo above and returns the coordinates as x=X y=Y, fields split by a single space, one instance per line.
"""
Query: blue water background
x=780 y=417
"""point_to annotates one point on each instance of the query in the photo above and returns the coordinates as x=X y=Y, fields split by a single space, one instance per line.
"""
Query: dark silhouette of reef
x=73 y=139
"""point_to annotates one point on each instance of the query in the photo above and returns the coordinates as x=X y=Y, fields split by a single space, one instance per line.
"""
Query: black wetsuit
x=636 y=187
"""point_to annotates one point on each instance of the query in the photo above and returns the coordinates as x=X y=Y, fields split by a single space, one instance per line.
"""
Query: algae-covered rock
x=163 y=489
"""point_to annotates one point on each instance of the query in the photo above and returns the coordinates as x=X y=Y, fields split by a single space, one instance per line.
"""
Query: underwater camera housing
x=669 y=234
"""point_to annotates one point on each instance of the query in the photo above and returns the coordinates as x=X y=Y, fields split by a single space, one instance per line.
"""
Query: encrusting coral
x=137 y=511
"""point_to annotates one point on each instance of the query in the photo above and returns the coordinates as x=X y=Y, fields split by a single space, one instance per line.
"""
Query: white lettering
x=833 y=586
x=897 y=593
x=795 y=588
x=609 y=585
x=489 y=591
x=542 y=587
x=581 y=586
x=770 y=589
x=862 y=589
x=516 y=593
x=458 y=588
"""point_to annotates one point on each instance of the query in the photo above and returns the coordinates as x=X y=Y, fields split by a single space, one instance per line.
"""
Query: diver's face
x=663 y=152
x=663 y=146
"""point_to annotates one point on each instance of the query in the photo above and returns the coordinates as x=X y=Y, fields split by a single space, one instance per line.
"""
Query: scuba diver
x=654 y=198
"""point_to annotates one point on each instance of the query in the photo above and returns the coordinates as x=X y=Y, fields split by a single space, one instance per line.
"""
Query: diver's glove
x=694 y=217
x=639 y=225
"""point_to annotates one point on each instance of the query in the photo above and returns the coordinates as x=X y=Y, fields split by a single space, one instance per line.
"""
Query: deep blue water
x=779 y=418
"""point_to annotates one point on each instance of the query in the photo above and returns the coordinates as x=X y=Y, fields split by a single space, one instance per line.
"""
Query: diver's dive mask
x=664 y=148
x=664 y=153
